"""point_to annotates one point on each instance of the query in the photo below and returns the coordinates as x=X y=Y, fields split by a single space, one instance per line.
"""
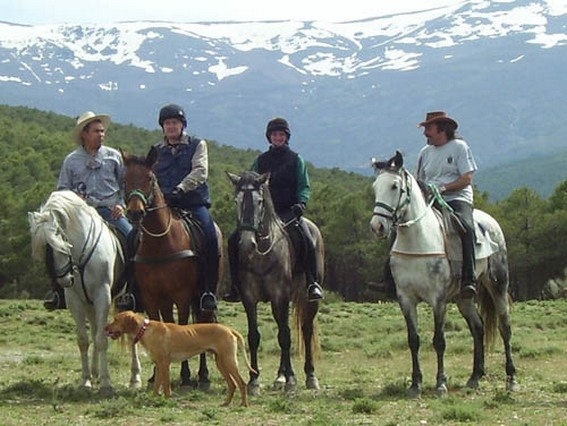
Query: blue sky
x=39 y=12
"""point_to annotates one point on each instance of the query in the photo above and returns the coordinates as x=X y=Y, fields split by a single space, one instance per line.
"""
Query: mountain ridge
x=350 y=90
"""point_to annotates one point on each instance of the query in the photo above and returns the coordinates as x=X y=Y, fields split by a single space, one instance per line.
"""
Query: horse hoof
x=290 y=385
x=312 y=383
x=253 y=389
x=279 y=383
x=106 y=391
x=512 y=385
x=204 y=386
x=472 y=383
x=414 y=392
x=441 y=391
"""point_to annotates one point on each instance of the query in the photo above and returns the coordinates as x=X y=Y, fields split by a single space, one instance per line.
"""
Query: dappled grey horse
x=269 y=271
x=427 y=269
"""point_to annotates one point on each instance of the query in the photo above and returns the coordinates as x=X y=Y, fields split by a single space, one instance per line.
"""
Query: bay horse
x=166 y=261
x=425 y=270
x=268 y=273
x=85 y=257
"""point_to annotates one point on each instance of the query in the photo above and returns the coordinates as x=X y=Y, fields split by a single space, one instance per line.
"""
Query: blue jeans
x=122 y=224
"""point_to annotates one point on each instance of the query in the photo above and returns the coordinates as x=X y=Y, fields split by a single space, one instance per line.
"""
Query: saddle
x=195 y=230
x=454 y=228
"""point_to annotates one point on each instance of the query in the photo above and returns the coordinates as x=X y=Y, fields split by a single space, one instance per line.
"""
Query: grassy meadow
x=364 y=370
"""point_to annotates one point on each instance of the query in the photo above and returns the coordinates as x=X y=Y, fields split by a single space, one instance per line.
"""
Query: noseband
x=395 y=213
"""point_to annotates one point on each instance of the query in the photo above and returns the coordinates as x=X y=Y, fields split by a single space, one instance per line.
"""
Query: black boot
x=131 y=299
x=55 y=299
x=387 y=286
x=208 y=281
x=233 y=261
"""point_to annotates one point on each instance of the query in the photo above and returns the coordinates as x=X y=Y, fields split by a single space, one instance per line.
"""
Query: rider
x=290 y=190
x=448 y=163
x=182 y=170
x=96 y=172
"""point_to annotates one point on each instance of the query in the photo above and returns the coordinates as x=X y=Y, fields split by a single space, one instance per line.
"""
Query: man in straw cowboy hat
x=447 y=162
x=96 y=172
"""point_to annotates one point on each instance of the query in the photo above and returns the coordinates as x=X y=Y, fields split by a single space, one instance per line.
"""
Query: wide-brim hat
x=87 y=118
x=433 y=116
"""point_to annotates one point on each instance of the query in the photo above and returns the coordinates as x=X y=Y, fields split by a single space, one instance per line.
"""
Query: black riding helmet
x=172 y=111
x=277 y=123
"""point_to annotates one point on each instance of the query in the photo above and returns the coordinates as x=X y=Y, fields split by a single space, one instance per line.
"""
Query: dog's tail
x=242 y=344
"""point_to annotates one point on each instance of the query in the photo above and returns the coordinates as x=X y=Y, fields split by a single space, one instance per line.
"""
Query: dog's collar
x=142 y=330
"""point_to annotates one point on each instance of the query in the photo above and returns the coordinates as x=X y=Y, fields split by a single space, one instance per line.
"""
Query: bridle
x=71 y=267
x=249 y=221
x=148 y=200
x=396 y=214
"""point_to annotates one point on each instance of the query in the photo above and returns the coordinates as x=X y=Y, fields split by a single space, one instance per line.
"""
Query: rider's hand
x=298 y=209
x=174 y=198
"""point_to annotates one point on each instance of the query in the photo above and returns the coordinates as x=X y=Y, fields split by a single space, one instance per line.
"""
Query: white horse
x=427 y=269
x=87 y=260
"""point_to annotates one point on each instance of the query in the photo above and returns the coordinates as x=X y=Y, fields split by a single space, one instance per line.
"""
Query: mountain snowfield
x=351 y=90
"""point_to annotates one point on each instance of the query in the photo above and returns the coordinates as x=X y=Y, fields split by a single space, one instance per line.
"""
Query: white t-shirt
x=444 y=164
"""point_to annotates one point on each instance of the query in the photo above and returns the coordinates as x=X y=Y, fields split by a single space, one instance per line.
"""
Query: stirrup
x=52 y=301
x=468 y=291
x=314 y=292
x=126 y=302
x=208 y=302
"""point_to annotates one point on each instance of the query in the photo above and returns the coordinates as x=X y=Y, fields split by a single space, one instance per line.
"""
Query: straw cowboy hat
x=87 y=118
x=437 y=116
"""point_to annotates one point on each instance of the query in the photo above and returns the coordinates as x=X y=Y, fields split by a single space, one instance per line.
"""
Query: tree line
x=33 y=144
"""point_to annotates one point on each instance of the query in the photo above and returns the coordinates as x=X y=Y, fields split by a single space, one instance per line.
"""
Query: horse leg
x=468 y=310
x=253 y=342
x=410 y=315
x=101 y=343
x=135 y=368
x=182 y=319
x=82 y=337
x=204 y=380
x=286 y=375
x=307 y=328
x=439 y=344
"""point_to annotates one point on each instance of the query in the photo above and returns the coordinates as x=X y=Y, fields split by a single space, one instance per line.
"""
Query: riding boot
x=468 y=281
x=233 y=262
x=54 y=299
x=131 y=300
x=314 y=289
x=208 y=281
x=387 y=286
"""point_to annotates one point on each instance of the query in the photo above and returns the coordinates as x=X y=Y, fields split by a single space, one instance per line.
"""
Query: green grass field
x=363 y=370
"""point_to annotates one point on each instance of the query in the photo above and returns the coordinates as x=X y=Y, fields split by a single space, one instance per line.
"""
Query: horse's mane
x=58 y=212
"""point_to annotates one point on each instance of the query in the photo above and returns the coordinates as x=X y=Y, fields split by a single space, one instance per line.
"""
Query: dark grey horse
x=269 y=272
x=425 y=269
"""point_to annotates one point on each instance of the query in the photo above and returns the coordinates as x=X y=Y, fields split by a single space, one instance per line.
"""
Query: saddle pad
x=484 y=246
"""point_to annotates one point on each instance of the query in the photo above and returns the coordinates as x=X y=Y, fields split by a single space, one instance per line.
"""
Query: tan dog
x=167 y=343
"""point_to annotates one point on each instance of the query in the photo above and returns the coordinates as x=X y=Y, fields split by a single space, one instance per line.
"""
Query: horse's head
x=392 y=189
x=251 y=195
x=50 y=243
x=140 y=185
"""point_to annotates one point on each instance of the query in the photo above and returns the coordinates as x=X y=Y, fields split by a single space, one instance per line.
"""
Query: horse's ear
x=378 y=165
x=263 y=178
x=398 y=159
x=151 y=157
x=233 y=178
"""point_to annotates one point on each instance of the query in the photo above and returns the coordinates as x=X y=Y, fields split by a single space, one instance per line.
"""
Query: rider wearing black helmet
x=290 y=190
x=182 y=171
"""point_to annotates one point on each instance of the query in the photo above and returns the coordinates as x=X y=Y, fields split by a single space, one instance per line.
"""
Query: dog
x=167 y=343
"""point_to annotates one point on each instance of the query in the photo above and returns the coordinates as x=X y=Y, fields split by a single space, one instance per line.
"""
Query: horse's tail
x=490 y=314
x=242 y=345
x=302 y=311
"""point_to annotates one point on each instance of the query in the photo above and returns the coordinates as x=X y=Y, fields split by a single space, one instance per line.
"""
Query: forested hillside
x=33 y=144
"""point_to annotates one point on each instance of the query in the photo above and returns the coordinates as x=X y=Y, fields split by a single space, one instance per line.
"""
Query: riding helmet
x=172 y=111
x=277 y=123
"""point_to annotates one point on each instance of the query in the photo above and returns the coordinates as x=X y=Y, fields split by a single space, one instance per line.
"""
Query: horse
x=85 y=257
x=166 y=261
x=425 y=270
x=268 y=273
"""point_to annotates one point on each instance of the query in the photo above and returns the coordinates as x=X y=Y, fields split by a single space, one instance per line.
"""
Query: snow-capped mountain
x=351 y=90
